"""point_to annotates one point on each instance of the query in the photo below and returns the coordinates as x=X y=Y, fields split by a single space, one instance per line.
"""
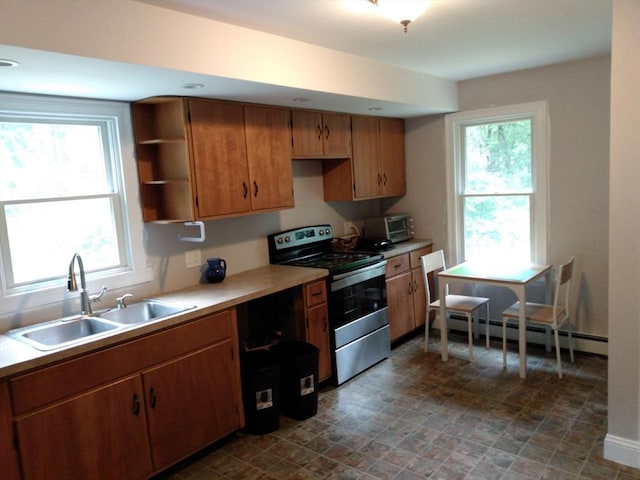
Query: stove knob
x=280 y=240
x=287 y=239
x=321 y=232
x=328 y=231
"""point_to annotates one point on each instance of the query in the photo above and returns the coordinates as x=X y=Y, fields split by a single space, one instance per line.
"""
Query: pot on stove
x=374 y=244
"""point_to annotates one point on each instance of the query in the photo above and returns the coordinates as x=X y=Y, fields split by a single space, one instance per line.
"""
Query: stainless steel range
x=357 y=300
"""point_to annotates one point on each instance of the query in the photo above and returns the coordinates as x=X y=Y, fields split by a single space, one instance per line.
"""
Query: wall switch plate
x=193 y=258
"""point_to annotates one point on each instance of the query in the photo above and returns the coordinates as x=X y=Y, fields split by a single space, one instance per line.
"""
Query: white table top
x=492 y=272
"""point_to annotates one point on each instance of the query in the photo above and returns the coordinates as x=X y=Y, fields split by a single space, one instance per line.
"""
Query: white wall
x=622 y=443
x=578 y=98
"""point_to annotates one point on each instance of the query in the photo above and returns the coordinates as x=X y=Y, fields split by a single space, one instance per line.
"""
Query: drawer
x=315 y=293
x=56 y=382
x=416 y=254
x=397 y=265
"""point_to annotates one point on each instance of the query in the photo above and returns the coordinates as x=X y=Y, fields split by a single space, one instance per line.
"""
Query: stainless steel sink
x=143 y=311
x=63 y=332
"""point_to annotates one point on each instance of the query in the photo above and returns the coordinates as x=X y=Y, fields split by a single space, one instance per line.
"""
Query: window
x=67 y=177
x=497 y=183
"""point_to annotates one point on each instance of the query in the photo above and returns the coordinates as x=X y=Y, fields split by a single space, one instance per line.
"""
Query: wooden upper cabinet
x=366 y=157
x=269 y=157
x=320 y=134
x=200 y=159
x=392 y=157
x=219 y=158
x=163 y=159
x=377 y=167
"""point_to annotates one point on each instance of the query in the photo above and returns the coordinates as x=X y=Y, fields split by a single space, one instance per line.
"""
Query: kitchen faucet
x=85 y=299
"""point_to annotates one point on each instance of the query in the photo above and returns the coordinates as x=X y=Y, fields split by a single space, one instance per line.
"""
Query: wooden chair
x=457 y=304
x=549 y=316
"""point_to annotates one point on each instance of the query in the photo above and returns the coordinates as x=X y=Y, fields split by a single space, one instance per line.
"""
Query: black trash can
x=298 y=378
x=261 y=390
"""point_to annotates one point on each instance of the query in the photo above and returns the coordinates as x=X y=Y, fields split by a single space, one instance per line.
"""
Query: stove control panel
x=301 y=236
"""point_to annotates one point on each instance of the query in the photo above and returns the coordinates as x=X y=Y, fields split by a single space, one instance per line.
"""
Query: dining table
x=513 y=276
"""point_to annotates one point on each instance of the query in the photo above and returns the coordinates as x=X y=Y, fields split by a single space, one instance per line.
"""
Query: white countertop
x=17 y=357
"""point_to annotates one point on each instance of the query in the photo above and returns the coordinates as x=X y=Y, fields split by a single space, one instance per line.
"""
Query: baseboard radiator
x=581 y=342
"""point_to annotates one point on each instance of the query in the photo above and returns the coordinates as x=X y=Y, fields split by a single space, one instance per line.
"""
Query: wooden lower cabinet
x=99 y=434
x=406 y=294
x=132 y=410
x=8 y=452
x=312 y=323
x=188 y=405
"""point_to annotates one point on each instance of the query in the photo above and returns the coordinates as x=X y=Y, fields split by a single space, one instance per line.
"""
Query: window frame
x=454 y=126
x=135 y=269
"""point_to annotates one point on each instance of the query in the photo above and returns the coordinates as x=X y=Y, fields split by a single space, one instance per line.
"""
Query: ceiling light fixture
x=6 y=63
x=402 y=11
x=193 y=86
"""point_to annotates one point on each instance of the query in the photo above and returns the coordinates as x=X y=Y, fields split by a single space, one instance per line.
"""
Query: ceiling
x=454 y=40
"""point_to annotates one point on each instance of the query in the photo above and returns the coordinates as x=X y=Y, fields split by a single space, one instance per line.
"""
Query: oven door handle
x=347 y=279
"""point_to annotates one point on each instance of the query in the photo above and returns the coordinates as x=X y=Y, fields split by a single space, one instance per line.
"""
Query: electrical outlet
x=193 y=258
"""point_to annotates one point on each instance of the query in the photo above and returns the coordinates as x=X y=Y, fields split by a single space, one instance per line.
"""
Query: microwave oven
x=396 y=228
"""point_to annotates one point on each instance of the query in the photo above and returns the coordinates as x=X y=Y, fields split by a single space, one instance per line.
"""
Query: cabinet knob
x=319 y=127
x=326 y=132
x=255 y=189
x=136 y=405
x=245 y=190
x=152 y=397
x=410 y=288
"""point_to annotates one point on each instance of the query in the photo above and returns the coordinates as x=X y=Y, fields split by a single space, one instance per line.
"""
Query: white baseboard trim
x=622 y=450
x=581 y=343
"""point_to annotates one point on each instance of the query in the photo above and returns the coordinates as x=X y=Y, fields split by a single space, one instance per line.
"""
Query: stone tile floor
x=414 y=417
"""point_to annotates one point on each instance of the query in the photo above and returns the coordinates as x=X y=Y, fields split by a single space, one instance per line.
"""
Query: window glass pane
x=49 y=160
x=498 y=157
x=497 y=228
x=44 y=236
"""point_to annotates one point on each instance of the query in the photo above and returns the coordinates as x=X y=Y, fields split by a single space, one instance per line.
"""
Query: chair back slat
x=433 y=262
x=563 y=287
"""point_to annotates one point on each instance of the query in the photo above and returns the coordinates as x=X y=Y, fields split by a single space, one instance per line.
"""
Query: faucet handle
x=97 y=296
x=122 y=300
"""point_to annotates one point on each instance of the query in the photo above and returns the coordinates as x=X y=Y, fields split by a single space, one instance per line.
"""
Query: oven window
x=356 y=301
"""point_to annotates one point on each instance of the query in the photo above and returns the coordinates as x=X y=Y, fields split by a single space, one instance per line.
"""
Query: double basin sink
x=69 y=331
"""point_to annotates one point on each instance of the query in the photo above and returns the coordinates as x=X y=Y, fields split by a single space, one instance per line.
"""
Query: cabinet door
x=400 y=298
x=191 y=402
x=419 y=298
x=307 y=132
x=337 y=134
x=366 y=156
x=8 y=453
x=318 y=335
x=269 y=157
x=100 y=434
x=392 y=156
x=219 y=158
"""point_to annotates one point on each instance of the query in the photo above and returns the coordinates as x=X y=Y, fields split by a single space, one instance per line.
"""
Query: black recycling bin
x=261 y=391
x=298 y=378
